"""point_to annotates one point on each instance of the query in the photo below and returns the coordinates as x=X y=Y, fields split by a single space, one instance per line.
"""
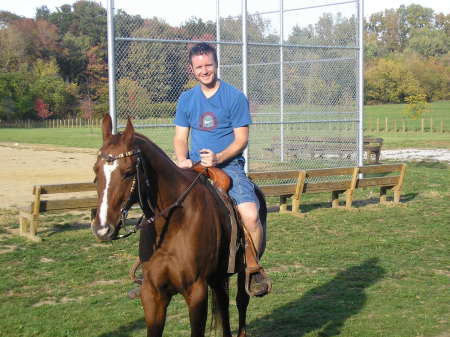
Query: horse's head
x=115 y=170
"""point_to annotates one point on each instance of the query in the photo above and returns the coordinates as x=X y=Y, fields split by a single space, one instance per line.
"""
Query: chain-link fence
x=298 y=64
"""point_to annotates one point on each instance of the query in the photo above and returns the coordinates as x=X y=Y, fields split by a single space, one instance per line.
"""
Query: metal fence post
x=111 y=66
x=360 y=81
x=244 y=64
x=218 y=36
x=281 y=81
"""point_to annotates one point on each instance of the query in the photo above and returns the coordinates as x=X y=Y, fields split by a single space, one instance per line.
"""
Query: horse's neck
x=164 y=174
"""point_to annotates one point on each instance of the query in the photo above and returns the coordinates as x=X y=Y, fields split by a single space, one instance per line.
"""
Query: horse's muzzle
x=103 y=233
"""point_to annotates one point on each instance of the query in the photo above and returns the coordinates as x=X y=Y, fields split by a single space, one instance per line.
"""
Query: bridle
x=149 y=210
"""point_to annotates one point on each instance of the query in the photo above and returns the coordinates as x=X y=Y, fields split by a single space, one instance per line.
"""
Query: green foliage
x=429 y=42
x=417 y=106
x=407 y=53
x=388 y=80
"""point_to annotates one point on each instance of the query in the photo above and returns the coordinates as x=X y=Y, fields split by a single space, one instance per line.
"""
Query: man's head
x=203 y=62
x=202 y=48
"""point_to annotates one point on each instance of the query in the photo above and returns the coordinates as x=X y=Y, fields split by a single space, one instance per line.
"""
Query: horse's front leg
x=155 y=307
x=242 y=300
x=196 y=298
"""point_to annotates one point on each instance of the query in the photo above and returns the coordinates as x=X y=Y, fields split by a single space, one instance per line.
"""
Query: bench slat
x=329 y=172
x=277 y=190
x=65 y=188
x=67 y=204
x=381 y=168
x=383 y=181
x=326 y=186
x=273 y=175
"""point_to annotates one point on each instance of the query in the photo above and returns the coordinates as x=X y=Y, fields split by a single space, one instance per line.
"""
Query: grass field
x=91 y=138
x=438 y=110
x=370 y=272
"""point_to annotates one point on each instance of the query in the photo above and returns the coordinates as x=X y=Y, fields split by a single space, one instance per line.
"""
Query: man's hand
x=208 y=158
x=186 y=163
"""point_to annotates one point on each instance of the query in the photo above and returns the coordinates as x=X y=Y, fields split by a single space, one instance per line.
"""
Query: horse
x=185 y=234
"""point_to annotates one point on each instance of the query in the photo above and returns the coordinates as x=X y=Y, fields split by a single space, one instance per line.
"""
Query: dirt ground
x=25 y=165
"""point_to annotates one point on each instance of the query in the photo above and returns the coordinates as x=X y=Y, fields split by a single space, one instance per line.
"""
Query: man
x=216 y=116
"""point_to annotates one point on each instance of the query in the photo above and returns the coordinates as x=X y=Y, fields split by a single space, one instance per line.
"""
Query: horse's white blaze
x=108 y=169
x=102 y=231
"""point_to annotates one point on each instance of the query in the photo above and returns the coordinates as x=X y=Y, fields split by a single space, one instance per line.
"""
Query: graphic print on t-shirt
x=208 y=121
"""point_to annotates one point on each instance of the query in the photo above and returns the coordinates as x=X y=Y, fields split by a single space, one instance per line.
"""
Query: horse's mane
x=140 y=138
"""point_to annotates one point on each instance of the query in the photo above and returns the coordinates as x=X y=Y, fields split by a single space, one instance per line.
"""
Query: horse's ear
x=128 y=133
x=107 y=127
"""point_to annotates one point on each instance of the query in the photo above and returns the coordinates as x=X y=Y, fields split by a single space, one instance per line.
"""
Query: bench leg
x=335 y=199
x=34 y=225
x=383 y=191
x=283 y=204
x=296 y=206
x=24 y=223
x=397 y=195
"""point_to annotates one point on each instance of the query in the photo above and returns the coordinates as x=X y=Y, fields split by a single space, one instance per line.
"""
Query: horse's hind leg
x=197 y=300
x=242 y=300
x=222 y=302
x=155 y=307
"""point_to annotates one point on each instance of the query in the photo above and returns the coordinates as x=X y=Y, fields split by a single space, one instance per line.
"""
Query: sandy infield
x=25 y=165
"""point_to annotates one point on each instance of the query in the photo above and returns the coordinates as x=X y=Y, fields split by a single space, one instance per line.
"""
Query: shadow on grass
x=126 y=330
x=323 y=309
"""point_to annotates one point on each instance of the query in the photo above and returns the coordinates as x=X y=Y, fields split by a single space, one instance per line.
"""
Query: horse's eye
x=128 y=174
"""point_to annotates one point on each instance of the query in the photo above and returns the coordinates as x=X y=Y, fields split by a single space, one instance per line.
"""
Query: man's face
x=204 y=69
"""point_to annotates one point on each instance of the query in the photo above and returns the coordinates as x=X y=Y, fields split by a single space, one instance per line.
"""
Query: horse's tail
x=216 y=320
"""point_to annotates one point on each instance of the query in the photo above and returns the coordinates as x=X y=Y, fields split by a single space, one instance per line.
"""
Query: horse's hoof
x=134 y=293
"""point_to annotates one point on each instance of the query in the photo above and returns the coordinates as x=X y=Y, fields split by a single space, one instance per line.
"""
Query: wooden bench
x=337 y=181
x=314 y=146
x=372 y=146
x=29 y=216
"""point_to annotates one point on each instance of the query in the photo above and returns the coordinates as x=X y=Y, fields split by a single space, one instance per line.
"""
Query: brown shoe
x=259 y=284
x=135 y=293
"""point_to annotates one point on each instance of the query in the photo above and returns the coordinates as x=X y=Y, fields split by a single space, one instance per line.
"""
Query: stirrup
x=249 y=271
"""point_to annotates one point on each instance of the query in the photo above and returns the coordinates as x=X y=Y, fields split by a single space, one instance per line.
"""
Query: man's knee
x=250 y=217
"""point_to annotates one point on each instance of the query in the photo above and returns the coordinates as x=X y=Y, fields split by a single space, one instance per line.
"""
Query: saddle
x=221 y=181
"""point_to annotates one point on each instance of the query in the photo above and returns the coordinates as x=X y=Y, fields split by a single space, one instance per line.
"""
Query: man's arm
x=181 y=146
x=209 y=158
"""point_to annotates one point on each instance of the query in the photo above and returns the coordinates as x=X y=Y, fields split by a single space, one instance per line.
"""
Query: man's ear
x=106 y=127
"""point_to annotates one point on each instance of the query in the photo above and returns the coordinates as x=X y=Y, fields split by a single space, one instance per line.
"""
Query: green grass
x=91 y=138
x=438 y=110
x=373 y=271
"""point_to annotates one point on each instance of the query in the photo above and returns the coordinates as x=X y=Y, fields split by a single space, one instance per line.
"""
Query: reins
x=144 y=201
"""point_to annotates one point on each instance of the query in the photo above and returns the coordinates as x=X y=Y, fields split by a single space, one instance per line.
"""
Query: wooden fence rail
x=423 y=125
x=53 y=123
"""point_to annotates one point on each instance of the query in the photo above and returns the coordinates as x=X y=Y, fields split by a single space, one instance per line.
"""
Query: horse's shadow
x=324 y=308
x=126 y=330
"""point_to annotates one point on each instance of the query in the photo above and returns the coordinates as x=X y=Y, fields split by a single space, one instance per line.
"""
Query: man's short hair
x=202 y=48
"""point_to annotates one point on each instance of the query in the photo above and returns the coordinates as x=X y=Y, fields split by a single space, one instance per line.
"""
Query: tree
x=389 y=81
x=51 y=88
x=429 y=42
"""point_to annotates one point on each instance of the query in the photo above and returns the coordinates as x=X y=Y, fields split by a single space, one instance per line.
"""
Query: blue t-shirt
x=213 y=119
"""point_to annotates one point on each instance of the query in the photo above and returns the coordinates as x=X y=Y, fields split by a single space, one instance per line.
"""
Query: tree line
x=55 y=65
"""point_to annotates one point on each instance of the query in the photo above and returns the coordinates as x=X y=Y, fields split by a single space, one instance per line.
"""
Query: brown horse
x=185 y=234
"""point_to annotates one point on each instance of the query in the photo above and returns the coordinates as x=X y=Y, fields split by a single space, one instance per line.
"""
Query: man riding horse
x=216 y=116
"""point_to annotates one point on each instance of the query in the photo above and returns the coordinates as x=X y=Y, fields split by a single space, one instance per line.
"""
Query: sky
x=176 y=11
